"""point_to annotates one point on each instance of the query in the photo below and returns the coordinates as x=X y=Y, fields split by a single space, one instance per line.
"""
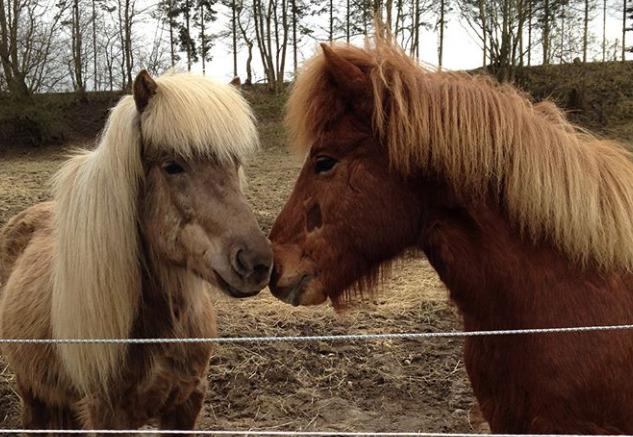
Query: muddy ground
x=369 y=386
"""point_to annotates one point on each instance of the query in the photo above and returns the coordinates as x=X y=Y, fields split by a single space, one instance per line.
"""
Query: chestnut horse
x=138 y=230
x=526 y=219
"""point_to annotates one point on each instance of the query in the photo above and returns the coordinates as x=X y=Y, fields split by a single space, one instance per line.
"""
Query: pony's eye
x=324 y=164
x=172 y=167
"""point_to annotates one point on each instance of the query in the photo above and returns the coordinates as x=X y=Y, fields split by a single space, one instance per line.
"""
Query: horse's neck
x=170 y=296
x=497 y=279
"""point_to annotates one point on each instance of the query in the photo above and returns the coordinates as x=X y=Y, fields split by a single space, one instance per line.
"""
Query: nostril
x=241 y=264
x=261 y=271
x=274 y=276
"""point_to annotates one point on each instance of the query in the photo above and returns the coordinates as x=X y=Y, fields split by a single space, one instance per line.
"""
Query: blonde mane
x=557 y=181
x=97 y=286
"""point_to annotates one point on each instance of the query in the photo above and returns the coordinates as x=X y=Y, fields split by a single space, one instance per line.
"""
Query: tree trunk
x=284 y=45
x=521 y=12
x=585 y=34
x=348 y=13
x=562 y=33
x=272 y=81
x=546 y=24
x=77 y=54
x=249 y=62
x=365 y=5
x=203 y=42
x=293 y=5
x=234 y=31
x=94 y=46
x=440 y=48
x=331 y=21
x=188 y=30
x=484 y=29
x=128 y=40
x=415 y=46
x=604 y=30
x=125 y=35
x=277 y=42
x=259 y=35
x=172 y=51
x=623 y=30
x=398 y=18
x=123 y=55
x=529 y=53
x=249 y=45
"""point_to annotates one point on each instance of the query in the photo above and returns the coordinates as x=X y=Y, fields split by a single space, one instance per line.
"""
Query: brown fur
x=135 y=237
x=461 y=168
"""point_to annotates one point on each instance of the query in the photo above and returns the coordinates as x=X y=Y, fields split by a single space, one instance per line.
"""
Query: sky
x=461 y=48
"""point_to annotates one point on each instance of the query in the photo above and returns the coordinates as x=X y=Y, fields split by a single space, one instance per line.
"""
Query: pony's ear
x=347 y=76
x=144 y=88
x=236 y=82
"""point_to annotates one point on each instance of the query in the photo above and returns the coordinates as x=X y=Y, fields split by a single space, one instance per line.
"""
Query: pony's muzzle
x=252 y=265
x=290 y=290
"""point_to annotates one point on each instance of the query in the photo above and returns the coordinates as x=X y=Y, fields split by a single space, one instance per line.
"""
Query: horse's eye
x=324 y=164
x=172 y=167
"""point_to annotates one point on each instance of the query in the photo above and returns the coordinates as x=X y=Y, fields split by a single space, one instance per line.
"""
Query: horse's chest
x=169 y=378
x=163 y=376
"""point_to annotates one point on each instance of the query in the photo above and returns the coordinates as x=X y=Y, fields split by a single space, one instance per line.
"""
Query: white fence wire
x=298 y=339
x=291 y=433
x=316 y=338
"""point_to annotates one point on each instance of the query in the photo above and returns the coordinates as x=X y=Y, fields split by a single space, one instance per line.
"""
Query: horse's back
x=16 y=235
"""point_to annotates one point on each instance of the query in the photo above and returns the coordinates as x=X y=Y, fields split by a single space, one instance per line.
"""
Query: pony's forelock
x=558 y=182
x=193 y=115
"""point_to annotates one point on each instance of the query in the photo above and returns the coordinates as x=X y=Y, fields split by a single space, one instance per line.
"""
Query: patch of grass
x=268 y=106
x=30 y=122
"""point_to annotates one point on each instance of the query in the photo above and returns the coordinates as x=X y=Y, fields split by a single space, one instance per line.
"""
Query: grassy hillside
x=53 y=119
x=597 y=96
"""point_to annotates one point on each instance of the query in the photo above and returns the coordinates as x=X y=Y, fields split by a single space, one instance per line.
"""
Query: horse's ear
x=347 y=76
x=236 y=82
x=144 y=88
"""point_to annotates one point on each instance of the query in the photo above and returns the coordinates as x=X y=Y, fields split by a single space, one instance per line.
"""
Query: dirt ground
x=368 y=386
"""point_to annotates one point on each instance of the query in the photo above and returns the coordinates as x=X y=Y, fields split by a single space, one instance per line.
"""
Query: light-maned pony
x=137 y=232
x=527 y=219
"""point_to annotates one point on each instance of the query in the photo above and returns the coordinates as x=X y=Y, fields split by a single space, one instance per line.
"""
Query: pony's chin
x=303 y=291
x=229 y=289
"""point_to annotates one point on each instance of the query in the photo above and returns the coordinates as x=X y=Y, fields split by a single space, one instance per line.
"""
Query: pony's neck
x=170 y=293
x=498 y=279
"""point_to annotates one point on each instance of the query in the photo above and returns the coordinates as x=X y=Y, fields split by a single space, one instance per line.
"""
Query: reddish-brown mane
x=559 y=182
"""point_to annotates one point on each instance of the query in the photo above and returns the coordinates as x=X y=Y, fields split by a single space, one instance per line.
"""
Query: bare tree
x=234 y=34
x=604 y=30
x=111 y=52
x=499 y=27
x=28 y=46
x=95 y=70
x=441 y=23
x=415 y=29
x=244 y=22
x=624 y=30
x=76 y=23
x=589 y=6
x=127 y=14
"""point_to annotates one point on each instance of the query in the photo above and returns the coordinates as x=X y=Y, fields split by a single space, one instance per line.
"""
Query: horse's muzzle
x=290 y=290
